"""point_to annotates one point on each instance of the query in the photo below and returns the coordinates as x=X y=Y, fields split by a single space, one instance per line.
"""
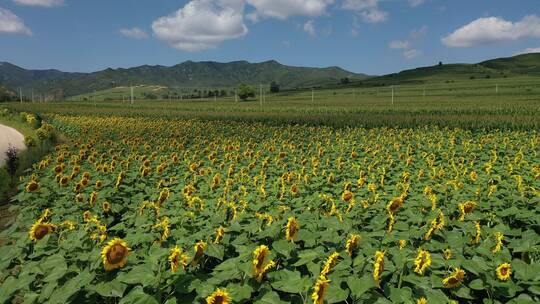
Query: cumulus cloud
x=12 y=24
x=529 y=51
x=409 y=52
x=367 y=9
x=359 y=5
x=282 y=9
x=309 y=27
x=202 y=24
x=399 y=44
x=412 y=53
x=134 y=33
x=374 y=16
x=491 y=30
x=45 y=3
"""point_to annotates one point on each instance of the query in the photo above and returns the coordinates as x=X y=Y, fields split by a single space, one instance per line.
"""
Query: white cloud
x=253 y=17
x=309 y=27
x=415 y=3
x=359 y=5
x=11 y=24
x=202 y=24
x=412 y=53
x=374 y=16
x=419 y=33
x=134 y=33
x=492 y=30
x=45 y=3
x=398 y=44
x=529 y=51
x=282 y=9
x=367 y=9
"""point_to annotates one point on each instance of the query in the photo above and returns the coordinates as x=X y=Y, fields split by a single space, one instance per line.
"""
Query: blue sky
x=367 y=36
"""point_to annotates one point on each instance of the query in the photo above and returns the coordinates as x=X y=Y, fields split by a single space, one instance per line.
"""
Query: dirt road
x=9 y=137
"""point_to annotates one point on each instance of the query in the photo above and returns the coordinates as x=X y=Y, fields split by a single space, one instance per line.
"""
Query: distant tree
x=274 y=87
x=150 y=96
x=345 y=80
x=245 y=92
x=222 y=93
x=440 y=63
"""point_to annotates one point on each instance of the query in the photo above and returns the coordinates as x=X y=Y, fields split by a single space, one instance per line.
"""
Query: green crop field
x=330 y=195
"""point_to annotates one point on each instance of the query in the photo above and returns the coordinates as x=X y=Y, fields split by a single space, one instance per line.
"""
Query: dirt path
x=9 y=137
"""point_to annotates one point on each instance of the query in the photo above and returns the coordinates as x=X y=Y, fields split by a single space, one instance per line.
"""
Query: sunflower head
x=422 y=300
x=447 y=254
x=422 y=261
x=32 y=186
x=454 y=279
x=115 y=254
x=378 y=266
x=177 y=258
x=320 y=289
x=352 y=244
x=219 y=297
x=87 y=216
x=347 y=195
x=39 y=230
x=106 y=206
x=504 y=271
x=402 y=244
x=291 y=229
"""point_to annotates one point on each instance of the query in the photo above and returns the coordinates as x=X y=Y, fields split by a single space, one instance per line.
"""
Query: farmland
x=344 y=199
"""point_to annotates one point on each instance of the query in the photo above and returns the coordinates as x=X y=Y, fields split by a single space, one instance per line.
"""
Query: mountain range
x=189 y=74
x=208 y=74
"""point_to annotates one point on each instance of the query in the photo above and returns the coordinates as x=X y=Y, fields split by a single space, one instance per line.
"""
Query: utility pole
x=235 y=95
x=260 y=94
x=497 y=88
x=20 y=94
x=312 y=95
x=354 y=94
x=424 y=92
x=32 y=95
x=392 y=95
x=131 y=94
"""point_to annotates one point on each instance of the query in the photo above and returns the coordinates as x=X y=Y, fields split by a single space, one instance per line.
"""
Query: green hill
x=185 y=75
x=528 y=64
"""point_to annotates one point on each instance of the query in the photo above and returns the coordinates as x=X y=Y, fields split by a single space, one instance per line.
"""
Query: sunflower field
x=138 y=210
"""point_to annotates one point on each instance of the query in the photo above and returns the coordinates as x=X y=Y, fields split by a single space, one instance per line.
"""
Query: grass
x=507 y=103
x=26 y=158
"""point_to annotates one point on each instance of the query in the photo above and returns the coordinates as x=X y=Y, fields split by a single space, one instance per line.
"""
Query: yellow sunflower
x=291 y=229
x=199 y=248
x=177 y=258
x=422 y=261
x=106 y=206
x=504 y=271
x=260 y=264
x=378 y=266
x=352 y=244
x=32 y=186
x=320 y=290
x=330 y=264
x=219 y=297
x=454 y=279
x=39 y=230
x=115 y=254
x=220 y=232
